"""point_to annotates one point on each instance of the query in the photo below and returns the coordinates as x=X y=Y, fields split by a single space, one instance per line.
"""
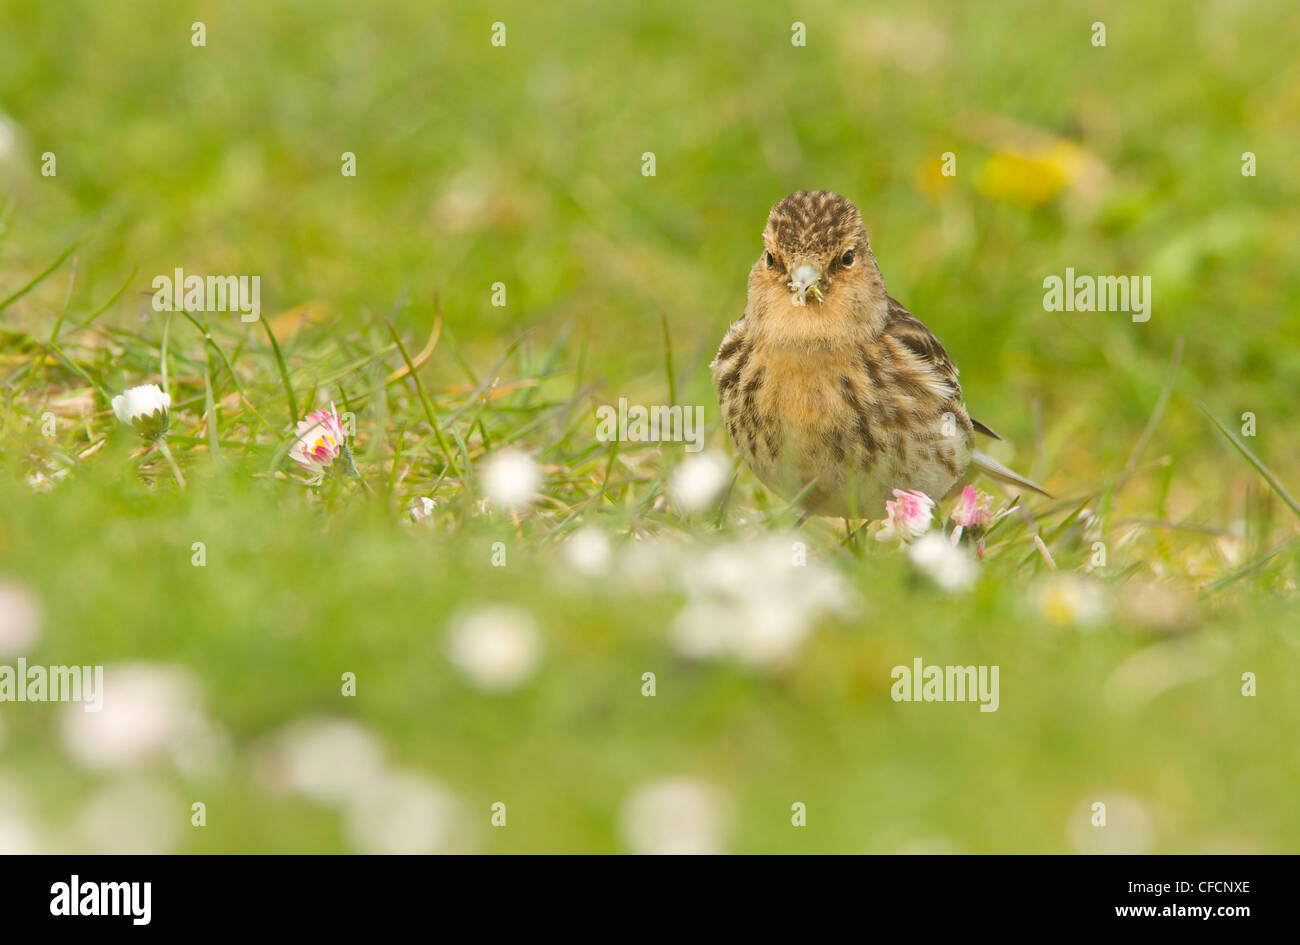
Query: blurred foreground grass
x=522 y=165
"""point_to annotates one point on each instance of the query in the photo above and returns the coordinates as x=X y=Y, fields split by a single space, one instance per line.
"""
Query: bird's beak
x=803 y=280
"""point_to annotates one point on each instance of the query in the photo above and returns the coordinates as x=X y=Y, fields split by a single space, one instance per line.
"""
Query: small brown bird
x=829 y=387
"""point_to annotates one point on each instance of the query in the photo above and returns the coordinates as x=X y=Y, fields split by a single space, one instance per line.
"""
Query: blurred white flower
x=947 y=565
x=328 y=760
x=698 y=480
x=136 y=816
x=405 y=813
x=466 y=201
x=932 y=845
x=588 y=551
x=41 y=482
x=760 y=637
x=148 y=710
x=20 y=619
x=1128 y=828
x=204 y=750
x=20 y=830
x=1070 y=600
x=754 y=600
x=908 y=516
x=647 y=564
x=1157 y=607
x=340 y=762
x=511 y=479
x=497 y=648
x=421 y=507
x=8 y=136
x=1232 y=548
x=676 y=815
x=144 y=408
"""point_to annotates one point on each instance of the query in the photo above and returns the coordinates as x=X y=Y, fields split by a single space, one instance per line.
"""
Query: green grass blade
x=1254 y=460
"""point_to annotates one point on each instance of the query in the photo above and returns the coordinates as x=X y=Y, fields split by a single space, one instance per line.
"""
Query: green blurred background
x=522 y=164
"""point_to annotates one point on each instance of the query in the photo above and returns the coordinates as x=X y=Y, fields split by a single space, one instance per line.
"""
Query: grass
x=522 y=166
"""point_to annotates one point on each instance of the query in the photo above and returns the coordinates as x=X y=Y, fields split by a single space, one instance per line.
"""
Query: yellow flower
x=1025 y=180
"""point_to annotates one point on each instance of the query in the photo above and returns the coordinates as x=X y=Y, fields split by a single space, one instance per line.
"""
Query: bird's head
x=816 y=261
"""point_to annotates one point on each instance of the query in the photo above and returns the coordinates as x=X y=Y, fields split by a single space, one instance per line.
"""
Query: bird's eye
x=771 y=261
x=847 y=259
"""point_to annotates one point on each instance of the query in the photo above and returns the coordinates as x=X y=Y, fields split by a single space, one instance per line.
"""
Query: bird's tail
x=990 y=466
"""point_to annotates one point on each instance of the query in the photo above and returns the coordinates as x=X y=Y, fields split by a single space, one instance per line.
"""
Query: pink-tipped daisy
x=321 y=440
x=974 y=510
x=908 y=516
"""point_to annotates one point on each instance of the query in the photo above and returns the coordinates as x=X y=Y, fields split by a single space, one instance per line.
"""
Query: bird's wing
x=905 y=328
x=909 y=331
x=731 y=357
